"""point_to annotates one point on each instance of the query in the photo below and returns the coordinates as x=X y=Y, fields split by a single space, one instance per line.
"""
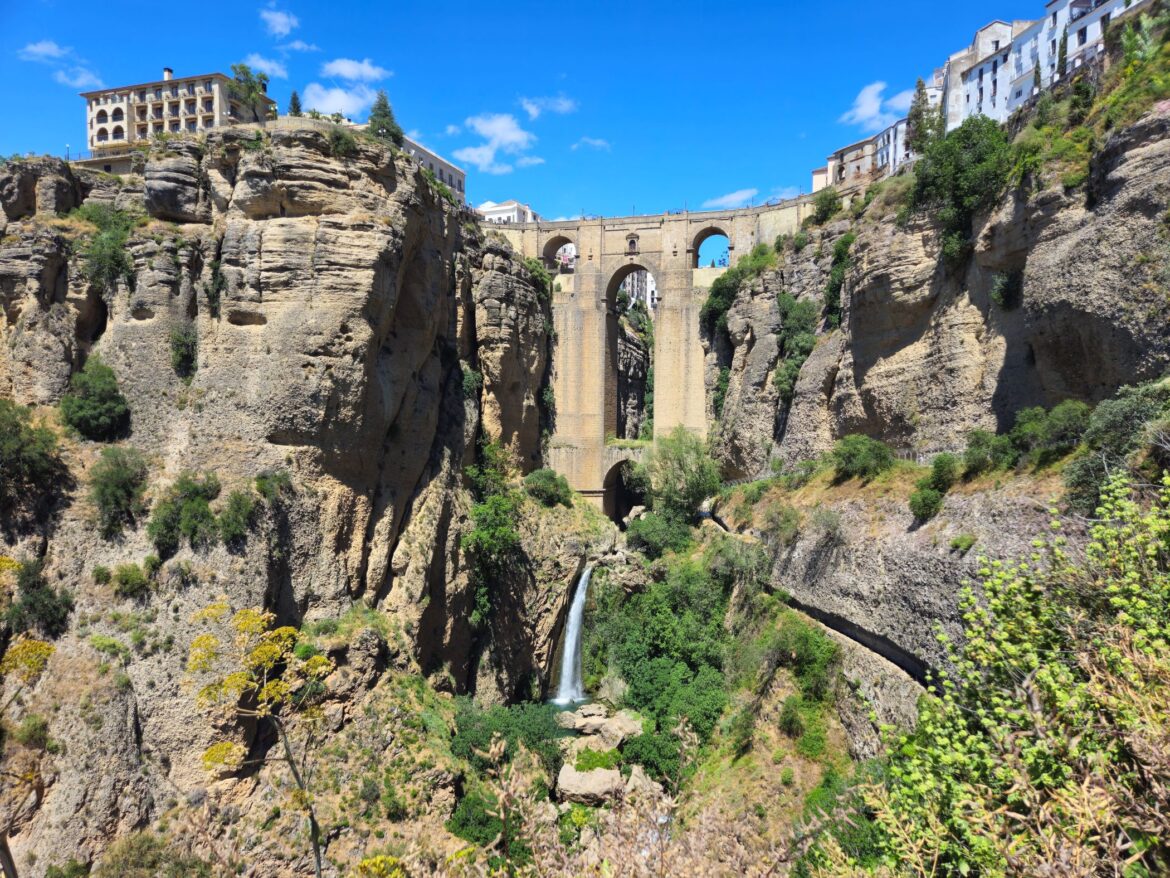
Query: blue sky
x=601 y=108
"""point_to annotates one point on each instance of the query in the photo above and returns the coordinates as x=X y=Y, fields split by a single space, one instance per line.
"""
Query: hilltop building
x=452 y=175
x=119 y=117
x=510 y=211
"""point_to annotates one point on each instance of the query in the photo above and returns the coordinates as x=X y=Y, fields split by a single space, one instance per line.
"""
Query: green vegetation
x=798 y=324
x=381 y=124
x=438 y=186
x=1050 y=732
x=826 y=205
x=214 y=290
x=130 y=582
x=273 y=486
x=116 y=485
x=682 y=474
x=37 y=604
x=588 y=760
x=837 y=271
x=1007 y=289
x=33 y=732
x=986 y=452
x=927 y=499
x=958 y=176
x=925 y=503
x=251 y=90
x=101 y=574
x=713 y=316
x=146 y=855
x=860 y=457
x=29 y=459
x=342 y=143
x=184 y=349
x=493 y=544
x=472 y=382
x=654 y=534
x=235 y=520
x=185 y=512
x=541 y=279
x=94 y=406
x=549 y=488
x=533 y=725
x=294 y=104
x=924 y=124
x=105 y=256
x=963 y=543
x=719 y=394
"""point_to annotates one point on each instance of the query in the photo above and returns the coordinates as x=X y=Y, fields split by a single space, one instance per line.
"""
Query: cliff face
x=633 y=371
x=338 y=304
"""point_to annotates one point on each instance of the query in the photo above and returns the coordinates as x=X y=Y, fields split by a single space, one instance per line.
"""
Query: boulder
x=639 y=784
x=594 y=787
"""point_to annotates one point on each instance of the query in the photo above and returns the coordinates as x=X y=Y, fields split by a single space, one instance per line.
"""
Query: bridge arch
x=620 y=495
x=702 y=237
x=552 y=246
x=619 y=276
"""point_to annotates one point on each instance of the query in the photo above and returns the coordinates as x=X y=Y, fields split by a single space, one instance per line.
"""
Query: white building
x=510 y=211
x=451 y=174
x=640 y=286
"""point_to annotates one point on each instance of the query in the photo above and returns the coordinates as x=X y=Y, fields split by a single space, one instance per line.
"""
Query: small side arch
x=701 y=237
x=552 y=247
x=620 y=495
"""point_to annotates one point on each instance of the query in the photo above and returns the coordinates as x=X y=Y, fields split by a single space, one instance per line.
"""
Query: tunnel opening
x=712 y=249
x=630 y=302
x=622 y=492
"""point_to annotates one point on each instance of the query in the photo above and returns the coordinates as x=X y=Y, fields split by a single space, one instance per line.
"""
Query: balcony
x=1078 y=9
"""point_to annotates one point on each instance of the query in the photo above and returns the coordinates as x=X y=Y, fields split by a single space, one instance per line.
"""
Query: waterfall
x=571 y=687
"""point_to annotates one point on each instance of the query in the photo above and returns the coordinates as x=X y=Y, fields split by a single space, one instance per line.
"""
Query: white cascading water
x=571 y=687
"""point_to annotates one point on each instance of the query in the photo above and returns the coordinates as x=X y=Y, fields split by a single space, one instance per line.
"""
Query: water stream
x=571 y=687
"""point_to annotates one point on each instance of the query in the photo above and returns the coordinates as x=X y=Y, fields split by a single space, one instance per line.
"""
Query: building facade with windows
x=510 y=211
x=118 y=117
x=445 y=172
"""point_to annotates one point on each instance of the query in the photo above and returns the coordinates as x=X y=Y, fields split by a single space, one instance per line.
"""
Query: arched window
x=102 y=135
x=119 y=133
x=117 y=115
x=632 y=244
x=102 y=117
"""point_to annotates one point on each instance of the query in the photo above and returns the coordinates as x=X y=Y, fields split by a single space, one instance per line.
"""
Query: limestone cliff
x=339 y=306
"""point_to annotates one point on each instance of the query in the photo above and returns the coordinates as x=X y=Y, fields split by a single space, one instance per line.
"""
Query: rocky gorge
x=363 y=337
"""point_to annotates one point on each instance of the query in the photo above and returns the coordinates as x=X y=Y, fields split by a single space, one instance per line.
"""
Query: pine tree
x=923 y=124
x=294 y=104
x=382 y=123
x=1037 y=82
x=1062 y=55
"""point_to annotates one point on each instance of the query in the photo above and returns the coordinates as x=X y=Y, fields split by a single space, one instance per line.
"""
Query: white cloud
x=272 y=67
x=300 y=46
x=354 y=71
x=559 y=105
x=78 y=77
x=873 y=112
x=44 y=50
x=278 y=22
x=347 y=101
x=738 y=198
x=452 y=130
x=529 y=161
x=502 y=134
x=592 y=143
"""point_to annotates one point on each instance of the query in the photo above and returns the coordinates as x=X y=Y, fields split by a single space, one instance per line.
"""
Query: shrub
x=151 y=565
x=588 y=760
x=33 y=732
x=721 y=296
x=826 y=205
x=236 y=518
x=657 y=753
x=341 y=143
x=800 y=240
x=798 y=322
x=987 y=451
x=117 y=482
x=474 y=819
x=472 y=382
x=860 y=457
x=130 y=581
x=105 y=257
x=944 y=472
x=682 y=474
x=807 y=651
x=70 y=869
x=837 y=271
x=1007 y=290
x=791 y=721
x=146 y=855
x=273 y=486
x=719 y=394
x=549 y=488
x=925 y=503
x=101 y=575
x=185 y=511
x=787 y=776
x=37 y=604
x=963 y=543
x=655 y=534
x=533 y=725
x=94 y=406
x=184 y=349
x=29 y=459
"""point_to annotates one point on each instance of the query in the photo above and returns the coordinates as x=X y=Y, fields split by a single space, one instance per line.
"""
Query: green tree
x=1037 y=82
x=382 y=123
x=250 y=89
x=826 y=205
x=116 y=483
x=1062 y=53
x=29 y=463
x=860 y=457
x=924 y=123
x=38 y=605
x=94 y=406
x=294 y=104
x=258 y=675
x=682 y=473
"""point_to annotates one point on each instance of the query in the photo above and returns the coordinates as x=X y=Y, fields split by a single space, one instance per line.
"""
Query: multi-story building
x=890 y=148
x=962 y=71
x=640 y=286
x=852 y=166
x=446 y=172
x=117 y=117
x=510 y=211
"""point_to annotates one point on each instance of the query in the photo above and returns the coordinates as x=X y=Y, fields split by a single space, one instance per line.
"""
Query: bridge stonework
x=585 y=318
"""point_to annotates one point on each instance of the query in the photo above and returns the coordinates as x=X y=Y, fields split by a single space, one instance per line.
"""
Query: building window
x=1082 y=36
x=158 y=94
x=118 y=115
x=995 y=45
x=1054 y=19
x=119 y=133
x=174 y=91
x=102 y=117
x=207 y=84
x=175 y=126
x=1104 y=23
x=102 y=135
x=191 y=126
x=208 y=105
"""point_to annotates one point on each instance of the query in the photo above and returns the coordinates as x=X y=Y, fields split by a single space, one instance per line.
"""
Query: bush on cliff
x=105 y=256
x=682 y=474
x=29 y=461
x=94 y=406
x=38 y=605
x=860 y=457
x=725 y=288
x=826 y=205
x=549 y=488
x=654 y=534
x=185 y=512
x=117 y=482
x=533 y=725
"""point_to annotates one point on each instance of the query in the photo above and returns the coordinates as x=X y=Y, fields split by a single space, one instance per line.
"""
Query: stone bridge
x=586 y=319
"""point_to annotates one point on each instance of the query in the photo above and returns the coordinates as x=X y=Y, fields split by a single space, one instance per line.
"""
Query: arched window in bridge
x=632 y=244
